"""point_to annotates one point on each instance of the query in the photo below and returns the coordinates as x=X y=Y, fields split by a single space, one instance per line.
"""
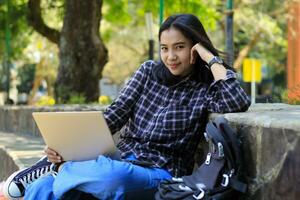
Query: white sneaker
x=14 y=187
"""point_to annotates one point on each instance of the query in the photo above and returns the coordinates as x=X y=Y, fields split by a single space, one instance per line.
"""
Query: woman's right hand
x=53 y=156
x=204 y=54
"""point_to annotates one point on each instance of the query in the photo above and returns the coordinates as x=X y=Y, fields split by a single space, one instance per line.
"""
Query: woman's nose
x=172 y=55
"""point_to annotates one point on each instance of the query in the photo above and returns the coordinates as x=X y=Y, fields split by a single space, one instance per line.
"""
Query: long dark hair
x=191 y=27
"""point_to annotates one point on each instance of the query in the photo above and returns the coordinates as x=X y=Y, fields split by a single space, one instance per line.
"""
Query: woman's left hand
x=52 y=155
x=204 y=54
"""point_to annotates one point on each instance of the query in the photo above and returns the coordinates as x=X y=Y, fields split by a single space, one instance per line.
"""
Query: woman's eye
x=179 y=47
x=163 y=48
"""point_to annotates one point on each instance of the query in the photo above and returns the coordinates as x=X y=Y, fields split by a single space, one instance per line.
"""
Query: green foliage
x=20 y=32
x=126 y=13
x=15 y=16
x=73 y=98
x=76 y=99
x=116 y=12
x=26 y=77
x=204 y=9
x=268 y=19
x=53 y=12
x=124 y=54
x=61 y=93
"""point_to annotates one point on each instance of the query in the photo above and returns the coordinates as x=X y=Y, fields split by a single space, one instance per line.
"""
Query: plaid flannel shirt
x=163 y=124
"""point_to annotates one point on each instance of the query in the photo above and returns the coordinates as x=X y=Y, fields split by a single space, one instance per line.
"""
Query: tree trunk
x=82 y=52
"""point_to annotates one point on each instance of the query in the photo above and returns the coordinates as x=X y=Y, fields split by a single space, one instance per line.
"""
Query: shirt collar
x=188 y=81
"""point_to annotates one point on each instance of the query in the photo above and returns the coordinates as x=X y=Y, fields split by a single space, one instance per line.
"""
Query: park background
x=54 y=53
x=77 y=52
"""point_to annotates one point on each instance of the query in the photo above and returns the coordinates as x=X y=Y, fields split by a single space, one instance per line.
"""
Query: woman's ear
x=194 y=57
x=193 y=60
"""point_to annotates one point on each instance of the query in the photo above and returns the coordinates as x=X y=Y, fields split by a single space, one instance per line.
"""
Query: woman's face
x=176 y=51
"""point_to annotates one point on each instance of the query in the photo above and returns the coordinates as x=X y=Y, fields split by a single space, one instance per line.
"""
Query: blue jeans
x=104 y=178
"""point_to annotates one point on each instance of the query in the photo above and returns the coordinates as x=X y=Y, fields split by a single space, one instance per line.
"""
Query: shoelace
x=29 y=178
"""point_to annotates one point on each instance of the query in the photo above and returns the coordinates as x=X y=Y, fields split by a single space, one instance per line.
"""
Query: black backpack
x=219 y=176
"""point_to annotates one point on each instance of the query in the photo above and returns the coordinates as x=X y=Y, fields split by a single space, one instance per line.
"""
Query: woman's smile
x=174 y=65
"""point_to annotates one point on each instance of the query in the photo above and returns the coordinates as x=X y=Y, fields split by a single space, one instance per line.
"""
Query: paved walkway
x=19 y=151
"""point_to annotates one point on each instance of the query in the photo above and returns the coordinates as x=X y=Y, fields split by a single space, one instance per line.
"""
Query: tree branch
x=244 y=52
x=35 y=20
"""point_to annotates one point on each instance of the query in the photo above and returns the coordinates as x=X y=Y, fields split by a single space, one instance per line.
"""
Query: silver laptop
x=76 y=136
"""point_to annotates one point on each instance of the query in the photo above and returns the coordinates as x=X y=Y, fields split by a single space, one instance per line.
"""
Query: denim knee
x=40 y=189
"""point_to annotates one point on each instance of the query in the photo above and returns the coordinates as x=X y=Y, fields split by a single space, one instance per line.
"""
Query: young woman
x=164 y=108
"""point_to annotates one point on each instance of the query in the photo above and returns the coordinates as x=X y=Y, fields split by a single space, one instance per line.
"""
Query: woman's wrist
x=209 y=57
x=218 y=71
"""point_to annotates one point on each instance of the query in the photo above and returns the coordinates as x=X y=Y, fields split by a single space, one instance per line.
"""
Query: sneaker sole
x=6 y=185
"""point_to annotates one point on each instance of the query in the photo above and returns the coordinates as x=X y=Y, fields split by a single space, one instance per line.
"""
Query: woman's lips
x=173 y=66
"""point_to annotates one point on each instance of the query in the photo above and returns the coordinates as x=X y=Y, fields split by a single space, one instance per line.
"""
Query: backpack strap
x=235 y=145
x=217 y=137
x=232 y=139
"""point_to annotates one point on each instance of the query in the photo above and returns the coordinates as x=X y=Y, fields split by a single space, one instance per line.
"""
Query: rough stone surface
x=7 y=164
x=270 y=135
x=271 y=147
x=18 y=119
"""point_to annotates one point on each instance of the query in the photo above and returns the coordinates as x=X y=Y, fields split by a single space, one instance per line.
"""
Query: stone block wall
x=271 y=147
x=270 y=135
x=18 y=119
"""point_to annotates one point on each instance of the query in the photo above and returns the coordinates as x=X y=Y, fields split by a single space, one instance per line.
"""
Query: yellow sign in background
x=252 y=66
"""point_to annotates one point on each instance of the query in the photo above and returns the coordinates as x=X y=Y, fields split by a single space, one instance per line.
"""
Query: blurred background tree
x=18 y=27
x=261 y=32
x=2 y=79
x=26 y=75
x=82 y=54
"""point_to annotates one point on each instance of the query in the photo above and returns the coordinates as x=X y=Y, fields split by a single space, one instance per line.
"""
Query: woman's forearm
x=218 y=71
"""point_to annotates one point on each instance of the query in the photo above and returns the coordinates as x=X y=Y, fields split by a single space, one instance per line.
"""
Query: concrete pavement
x=17 y=152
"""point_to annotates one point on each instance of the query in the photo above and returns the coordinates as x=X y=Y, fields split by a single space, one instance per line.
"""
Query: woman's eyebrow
x=176 y=43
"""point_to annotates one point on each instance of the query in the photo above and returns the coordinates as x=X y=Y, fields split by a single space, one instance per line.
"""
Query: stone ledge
x=279 y=116
x=18 y=119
